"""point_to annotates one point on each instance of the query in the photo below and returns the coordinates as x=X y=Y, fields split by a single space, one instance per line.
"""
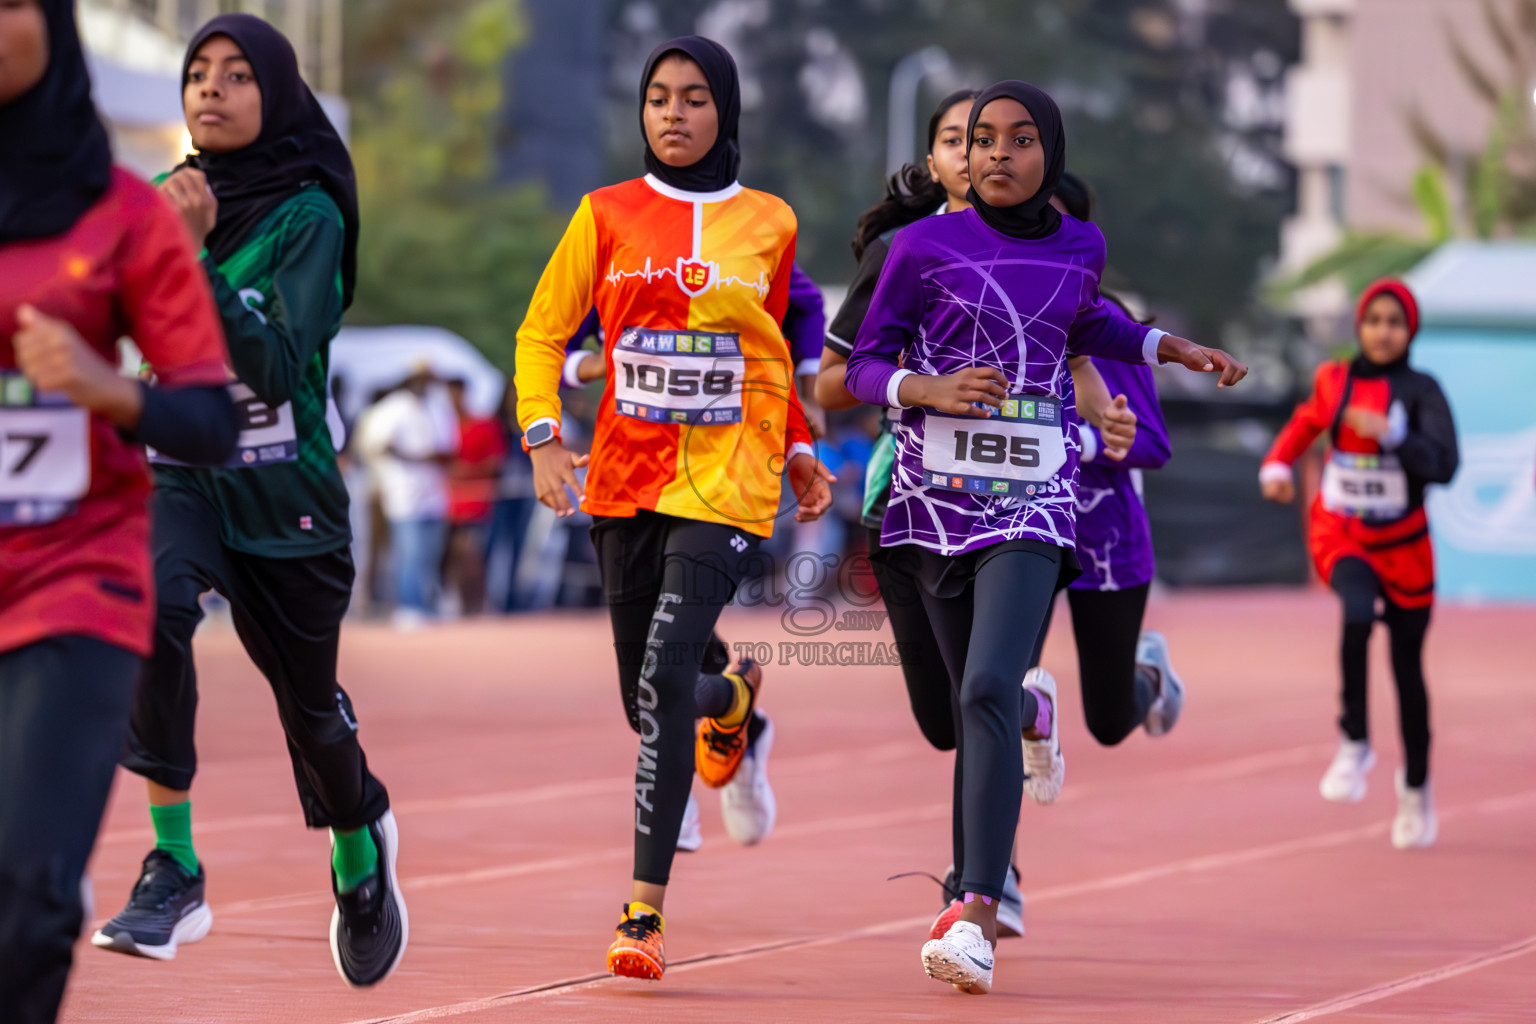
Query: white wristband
x=570 y=375
x=1273 y=472
x=1149 y=346
x=893 y=389
x=799 y=448
x=1090 y=439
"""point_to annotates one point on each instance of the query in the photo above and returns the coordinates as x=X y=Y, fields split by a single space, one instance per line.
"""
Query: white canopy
x=369 y=358
x=1478 y=284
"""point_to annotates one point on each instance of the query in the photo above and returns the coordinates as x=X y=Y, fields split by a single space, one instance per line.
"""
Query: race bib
x=1008 y=455
x=45 y=454
x=691 y=377
x=1365 y=486
x=267 y=435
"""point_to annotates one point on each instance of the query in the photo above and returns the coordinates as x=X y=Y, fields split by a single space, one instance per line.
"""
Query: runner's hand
x=188 y=191
x=1118 y=429
x=1366 y=423
x=55 y=358
x=956 y=393
x=592 y=367
x=1281 y=491
x=1172 y=349
x=809 y=478
x=554 y=469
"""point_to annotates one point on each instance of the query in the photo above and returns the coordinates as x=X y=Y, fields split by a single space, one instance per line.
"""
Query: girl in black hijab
x=1035 y=217
x=87 y=254
x=718 y=167
x=271 y=193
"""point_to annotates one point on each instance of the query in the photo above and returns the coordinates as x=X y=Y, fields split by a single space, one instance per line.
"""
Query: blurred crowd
x=446 y=524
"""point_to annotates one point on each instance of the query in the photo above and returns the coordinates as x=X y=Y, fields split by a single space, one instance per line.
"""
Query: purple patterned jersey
x=954 y=293
x=1114 y=540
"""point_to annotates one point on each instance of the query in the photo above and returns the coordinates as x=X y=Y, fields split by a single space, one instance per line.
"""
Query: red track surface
x=1195 y=878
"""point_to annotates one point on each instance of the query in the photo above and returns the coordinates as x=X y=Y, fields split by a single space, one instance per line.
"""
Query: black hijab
x=716 y=169
x=1035 y=217
x=55 y=160
x=298 y=146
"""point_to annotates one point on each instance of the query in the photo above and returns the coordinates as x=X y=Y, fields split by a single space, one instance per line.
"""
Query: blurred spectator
x=472 y=485
x=513 y=510
x=410 y=438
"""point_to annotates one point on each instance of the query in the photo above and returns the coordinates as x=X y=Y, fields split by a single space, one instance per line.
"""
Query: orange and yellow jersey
x=699 y=407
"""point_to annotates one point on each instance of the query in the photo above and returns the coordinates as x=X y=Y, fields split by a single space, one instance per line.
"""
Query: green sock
x=173 y=832
x=354 y=858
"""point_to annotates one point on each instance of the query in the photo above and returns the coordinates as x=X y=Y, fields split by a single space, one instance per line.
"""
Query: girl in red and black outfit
x=1390 y=434
x=87 y=254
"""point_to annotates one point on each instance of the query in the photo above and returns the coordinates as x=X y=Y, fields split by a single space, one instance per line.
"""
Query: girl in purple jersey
x=968 y=333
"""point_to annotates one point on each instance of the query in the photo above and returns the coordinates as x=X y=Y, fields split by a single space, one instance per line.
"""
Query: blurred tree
x=441 y=243
x=1481 y=194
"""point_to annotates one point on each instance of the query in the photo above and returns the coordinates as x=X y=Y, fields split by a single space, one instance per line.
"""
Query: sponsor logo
x=701 y=344
x=1011 y=408
x=1027 y=410
x=678 y=416
x=739 y=543
x=684 y=343
x=306 y=522
x=627 y=408
x=1000 y=486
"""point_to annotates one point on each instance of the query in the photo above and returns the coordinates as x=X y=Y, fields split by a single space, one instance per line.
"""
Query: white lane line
x=1186 y=866
x=1387 y=990
x=810 y=764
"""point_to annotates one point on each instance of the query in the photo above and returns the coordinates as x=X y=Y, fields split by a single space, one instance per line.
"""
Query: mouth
x=208 y=117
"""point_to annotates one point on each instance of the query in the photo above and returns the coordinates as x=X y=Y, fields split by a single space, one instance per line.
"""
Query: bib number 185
x=996 y=449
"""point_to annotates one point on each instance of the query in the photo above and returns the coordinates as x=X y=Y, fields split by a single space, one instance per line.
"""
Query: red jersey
x=126 y=268
x=482 y=448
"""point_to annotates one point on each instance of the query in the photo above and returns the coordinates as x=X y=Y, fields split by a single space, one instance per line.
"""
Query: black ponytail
x=911 y=193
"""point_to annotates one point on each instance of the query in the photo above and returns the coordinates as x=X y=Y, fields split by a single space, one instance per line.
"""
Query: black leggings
x=987 y=634
x=928 y=686
x=288 y=613
x=63 y=713
x=667 y=580
x=1117 y=692
x=1358 y=588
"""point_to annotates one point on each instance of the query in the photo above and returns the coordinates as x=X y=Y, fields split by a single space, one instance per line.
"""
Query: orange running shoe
x=637 y=950
x=719 y=749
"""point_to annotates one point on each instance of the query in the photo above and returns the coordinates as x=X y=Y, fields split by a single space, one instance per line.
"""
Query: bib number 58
x=996 y=449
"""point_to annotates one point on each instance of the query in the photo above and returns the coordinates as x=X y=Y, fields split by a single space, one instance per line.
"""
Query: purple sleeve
x=805 y=322
x=1151 y=449
x=894 y=317
x=590 y=326
x=1102 y=330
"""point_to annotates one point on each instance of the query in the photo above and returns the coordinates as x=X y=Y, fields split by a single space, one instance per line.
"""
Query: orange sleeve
x=1311 y=417
x=560 y=303
x=166 y=301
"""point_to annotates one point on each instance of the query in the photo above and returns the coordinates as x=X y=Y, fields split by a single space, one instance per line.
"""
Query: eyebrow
x=687 y=88
x=1016 y=124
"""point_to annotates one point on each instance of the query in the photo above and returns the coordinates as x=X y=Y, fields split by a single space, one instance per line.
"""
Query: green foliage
x=1433 y=199
x=441 y=244
x=1361 y=258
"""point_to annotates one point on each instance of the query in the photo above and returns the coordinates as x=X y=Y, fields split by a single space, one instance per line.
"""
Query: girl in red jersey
x=87 y=254
x=1390 y=434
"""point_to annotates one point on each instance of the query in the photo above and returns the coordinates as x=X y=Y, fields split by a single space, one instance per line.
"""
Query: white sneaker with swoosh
x=963 y=958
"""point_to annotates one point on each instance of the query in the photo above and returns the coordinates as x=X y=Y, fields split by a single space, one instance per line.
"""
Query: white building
x=135 y=50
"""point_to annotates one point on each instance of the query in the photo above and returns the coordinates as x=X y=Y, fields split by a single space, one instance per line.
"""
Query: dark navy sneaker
x=369 y=928
x=165 y=910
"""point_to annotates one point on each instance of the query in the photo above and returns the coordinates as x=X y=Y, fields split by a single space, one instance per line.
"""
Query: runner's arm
x=271 y=349
x=831 y=390
x=1429 y=451
x=893 y=317
x=560 y=303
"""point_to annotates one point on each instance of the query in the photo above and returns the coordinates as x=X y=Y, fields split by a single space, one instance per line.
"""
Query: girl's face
x=946 y=161
x=23 y=48
x=1384 y=331
x=1007 y=161
x=221 y=98
x=681 y=119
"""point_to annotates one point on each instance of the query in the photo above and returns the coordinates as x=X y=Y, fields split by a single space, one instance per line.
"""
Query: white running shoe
x=1152 y=653
x=1344 y=781
x=747 y=802
x=963 y=958
x=1010 y=909
x=1416 y=824
x=1044 y=767
x=692 y=836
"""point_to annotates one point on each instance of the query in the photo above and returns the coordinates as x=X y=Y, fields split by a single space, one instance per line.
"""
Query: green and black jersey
x=280 y=299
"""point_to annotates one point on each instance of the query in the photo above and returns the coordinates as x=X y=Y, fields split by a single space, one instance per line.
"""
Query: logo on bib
x=695 y=276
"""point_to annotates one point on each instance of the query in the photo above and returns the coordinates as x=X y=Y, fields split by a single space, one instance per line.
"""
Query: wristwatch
x=539 y=434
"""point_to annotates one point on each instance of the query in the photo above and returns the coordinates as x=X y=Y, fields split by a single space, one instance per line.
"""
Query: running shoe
x=637 y=948
x=1344 y=781
x=1044 y=767
x=1152 y=654
x=691 y=836
x=719 y=749
x=1416 y=824
x=747 y=802
x=1010 y=909
x=963 y=958
x=369 y=927
x=165 y=910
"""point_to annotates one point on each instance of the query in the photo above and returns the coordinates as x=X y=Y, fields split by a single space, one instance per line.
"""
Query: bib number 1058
x=677 y=381
x=997 y=449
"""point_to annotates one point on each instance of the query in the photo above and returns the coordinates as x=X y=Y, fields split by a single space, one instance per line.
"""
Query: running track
x=1198 y=878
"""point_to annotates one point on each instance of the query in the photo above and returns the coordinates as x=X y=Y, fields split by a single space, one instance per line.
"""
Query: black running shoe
x=369 y=928
x=165 y=910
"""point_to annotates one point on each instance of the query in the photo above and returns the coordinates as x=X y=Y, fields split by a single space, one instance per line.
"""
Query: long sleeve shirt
x=954 y=294
x=699 y=407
